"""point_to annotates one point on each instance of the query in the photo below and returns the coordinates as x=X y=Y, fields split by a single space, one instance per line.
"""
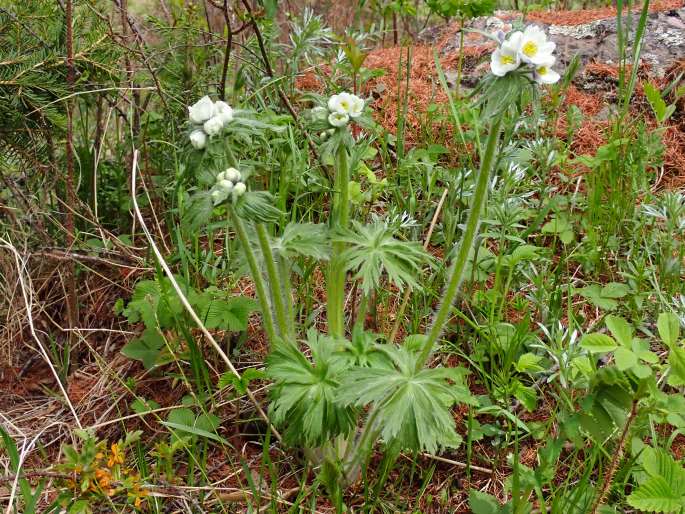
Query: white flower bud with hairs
x=213 y=126
x=198 y=139
x=201 y=110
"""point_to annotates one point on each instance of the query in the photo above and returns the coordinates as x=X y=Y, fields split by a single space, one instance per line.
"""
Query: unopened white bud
x=198 y=139
x=226 y=185
x=201 y=111
x=232 y=174
x=213 y=126
x=239 y=189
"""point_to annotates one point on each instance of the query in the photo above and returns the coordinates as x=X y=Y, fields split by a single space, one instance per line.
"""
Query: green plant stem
x=472 y=223
x=284 y=270
x=256 y=275
x=274 y=280
x=337 y=271
x=355 y=454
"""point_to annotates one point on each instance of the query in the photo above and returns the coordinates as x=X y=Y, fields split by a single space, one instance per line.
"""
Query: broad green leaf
x=598 y=343
x=483 y=503
x=529 y=363
x=641 y=371
x=184 y=420
x=655 y=495
x=230 y=314
x=240 y=384
x=620 y=329
x=198 y=211
x=594 y=294
x=560 y=226
x=676 y=359
x=625 y=358
x=615 y=290
x=193 y=430
x=668 y=325
x=526 y=395
x=142 y=405
x=146 y=349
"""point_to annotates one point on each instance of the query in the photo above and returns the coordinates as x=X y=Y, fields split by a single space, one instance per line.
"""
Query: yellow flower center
x=542 y=70
x=344 y=105
x=506 y=59
x=530 y=49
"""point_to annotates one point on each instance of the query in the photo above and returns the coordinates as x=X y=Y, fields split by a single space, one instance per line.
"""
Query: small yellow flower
x=116 y=457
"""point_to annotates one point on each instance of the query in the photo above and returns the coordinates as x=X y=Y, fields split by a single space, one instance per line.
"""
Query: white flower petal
x=545 y=75
x=338 y=119
x=356 y=106
x=503 y=61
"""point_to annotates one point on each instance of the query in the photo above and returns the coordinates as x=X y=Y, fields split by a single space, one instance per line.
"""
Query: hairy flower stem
x=337 y=273
x=256 y=275
x=356 y=453
x=274 y=281
x=470 y=234
x=284 y=270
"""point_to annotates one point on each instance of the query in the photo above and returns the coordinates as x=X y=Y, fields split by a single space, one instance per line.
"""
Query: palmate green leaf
x=226 y=313
x=412 y=407
x=304 y=391
x=198 y=211
x=304 y=239
x=373 y=250
x=258 y=206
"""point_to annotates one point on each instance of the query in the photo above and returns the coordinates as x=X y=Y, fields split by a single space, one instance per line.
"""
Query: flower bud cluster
x=228 y=183
x=209 y=119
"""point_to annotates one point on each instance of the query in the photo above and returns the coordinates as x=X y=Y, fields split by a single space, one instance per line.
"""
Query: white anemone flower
x=506 y=58
x=239 y=189
x=201 y=111
x=198 y=139
x=356 y=106
x=338 y=119
x=223 y=111
x=213 y=126
x=544 y=74
x=534 y=48
x=340 y=103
